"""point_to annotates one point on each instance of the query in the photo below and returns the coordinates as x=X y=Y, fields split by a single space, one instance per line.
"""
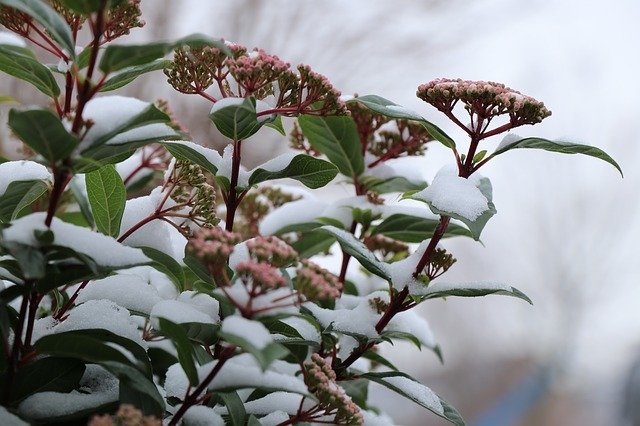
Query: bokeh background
x=566 y=227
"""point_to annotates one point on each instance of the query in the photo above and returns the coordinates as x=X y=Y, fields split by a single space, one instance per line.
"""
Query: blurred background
x=566 y=225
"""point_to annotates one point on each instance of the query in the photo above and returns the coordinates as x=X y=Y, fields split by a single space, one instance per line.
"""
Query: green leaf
x=47 y=375
x=167 y=265
x=18 y=196
x=390 y=109
x=438 y=290
x=129 y=74
x=82 y=201
x=79 y=346
x=198 y=269
x=265 y=356
x=236 y=118
x=559 y=146
x=107 y=197
x=310 y=171
x=421 y=394
x=136 y=382
x=117 y=57
x=337 y=138
x=277 y=125
x=375 y=357
x=87 y=7
x=312 y=243
x=183 y=151
x=356 y=248
x=235 y=407
x=414 y=229
x=394 y=184
x=31 y=260
x=183 y=346
x=20 y=63
x=46 y=16
x=43 y=132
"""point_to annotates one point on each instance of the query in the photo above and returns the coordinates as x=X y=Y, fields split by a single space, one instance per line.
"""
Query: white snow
x=142 y=133
x=129 y=291
x=130 y=165
x=224 y=103
x=456 y=195
x=439 y=286
x=274 y=419
x=300 y=211
x=401 y=272
x=14 y=171
x=10 y=39
x=276 y=164
x=507 y=140
x=360 y=320
x=253 y=332
x=101 y=314
x=282 y=401
x=97 y=386
x=417 y=391
x=8 y=419
x=104 y=250
x=240 y=254
x=179 y=312
x=306 y=330
x=201 y=415
x=237 y=373
x=411 y=322
x=202 y=302
x=225 y=167
x=164 y=286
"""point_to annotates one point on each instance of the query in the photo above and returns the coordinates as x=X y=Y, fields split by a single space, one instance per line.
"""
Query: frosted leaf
x=128 y=291
x=475 y=285
x=456 y=195
x=417 y=391
x=276 y=164
x=411 y=322
x=105 y=250
x=101 y=314
x=224 y=103
x=274 y=419
x=281 y=401
x=148 y=132
x=178 y=312
x=97 y=387
x=14 y=171
x=300 y=211
x=201 y=415
x=360 y=320
x=306 y=330
x=10 y=39
x=109 y=113
x=164 y=286
x=202 y=302
x=8 y=419
x=253 y=332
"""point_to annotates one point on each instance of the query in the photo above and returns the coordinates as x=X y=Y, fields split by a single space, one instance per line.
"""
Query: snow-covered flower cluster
x=316 y=283
x=213 y=246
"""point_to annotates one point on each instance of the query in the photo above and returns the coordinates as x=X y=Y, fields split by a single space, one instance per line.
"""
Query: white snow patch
x=276 y=164
x=300 y=211
x=361 y=319
x=201 y=415
x=202 y=302
x=411 y=322
x=274 y=419
x=306 y=330
x=104 y=250
x=178 y=312
x=128 y=291
x=417 y=391
x=509 y=139
x=224 y=103
x=8 y=419
x=253 y=332
x=10 y=39
x=14 y=171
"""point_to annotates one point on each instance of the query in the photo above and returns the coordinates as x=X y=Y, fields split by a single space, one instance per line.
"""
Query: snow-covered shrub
x=205 y=300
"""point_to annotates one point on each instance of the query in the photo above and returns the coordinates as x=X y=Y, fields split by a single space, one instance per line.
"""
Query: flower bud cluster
x=191 y=189
x=261 y=274
x=298 y=141
x=195 y=69
x=14 y=20
x=213 y=246
x=321 y=380
x=485 y=99
x=127 y=415
x=122 y=19
x=389 y=249
x=256 y=205
x=316 y=283
x=256 y=72
x=272 y=250
x=74 y=20
x=439 y=262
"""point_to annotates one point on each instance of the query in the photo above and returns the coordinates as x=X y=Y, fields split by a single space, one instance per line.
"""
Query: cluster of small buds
x=260 y=274
x=439 y=262
x=375 y=198
x=213 y=245
x=410 y=139
x=14 y=20
x=389 y=249
x=321 y=380
x=122 y=19
x=74 y=20
x=256 y=72
x=256 y=205
x=485 y=99
x=298 y=141
x=127 y=415
x=191 y=189
x=378 y=304
x=316 y=283
x=272 y=250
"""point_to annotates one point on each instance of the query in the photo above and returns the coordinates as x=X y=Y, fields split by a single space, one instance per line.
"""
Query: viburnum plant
x=204 y=300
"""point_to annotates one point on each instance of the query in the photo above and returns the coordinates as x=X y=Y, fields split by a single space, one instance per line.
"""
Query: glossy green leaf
x=337 y=138
x=310 y=171
x=417 y=393
x=81 y=200
x=107 y=197
x=414 y=229
x=562 y=147
x=79 y=346
x=167 y=265
x=31 y=260
x=198 y=269
x=356 y=248
x=183 y=346
x=18 y=196
x=46 y=16
x=182 y=151
x=136 y=382
x=478 y=289
x=312 y=243
x=129 y=74
x=264 y=356
x=390 y=109
x=394 y=184
x=43 y=132
x=87 y=7
x=49 y=374
x=20 y=63
x=236 y=118
x=117 y=57
x=235 y=407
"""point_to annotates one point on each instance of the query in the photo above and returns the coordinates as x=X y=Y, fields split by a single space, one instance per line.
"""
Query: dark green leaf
x=310 y=171
x=198 y=268
x=107 y=197
x=265 y=356
x=20 y=63
x=43 y=132
x=167 y=265
x=182 y=151
x=337 y=138
x=183 y=346
x=87 y=7
x=437 y=290
x=82 y=201
x=277 y=125
x=426 y=397
x=79 y=346
x=414 y=229
x=558 y=146
x=127 y=75
x=18 y=196
x=312 y=243
x=236 y=118
x=390 y=109
x=394 y=184
x=376 y=358
x=31 y=260
x=47 y=375
x=136 y=383
x=235 y=406
x=117 y=57
x=48 y=18
x=356 y=248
